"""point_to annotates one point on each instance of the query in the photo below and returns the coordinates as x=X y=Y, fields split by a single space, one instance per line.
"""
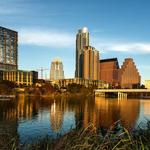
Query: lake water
x=31 y=118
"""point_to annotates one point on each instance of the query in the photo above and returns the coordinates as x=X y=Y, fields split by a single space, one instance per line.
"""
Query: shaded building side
x=109 y=71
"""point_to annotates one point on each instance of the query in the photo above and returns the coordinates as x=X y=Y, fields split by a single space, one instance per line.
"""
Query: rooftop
x=108 y=60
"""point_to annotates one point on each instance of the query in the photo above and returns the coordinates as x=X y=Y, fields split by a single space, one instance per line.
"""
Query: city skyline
x=117 y=29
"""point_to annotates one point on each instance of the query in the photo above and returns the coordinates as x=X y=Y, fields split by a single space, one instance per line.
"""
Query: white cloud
x=45 y=38
x=128 y=47
x=55 y=38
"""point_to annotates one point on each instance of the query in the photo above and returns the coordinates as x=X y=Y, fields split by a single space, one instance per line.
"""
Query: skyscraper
x=82 y=39
x=129 y=76
x=56 y=71
x=8 y=49
x=90 y=63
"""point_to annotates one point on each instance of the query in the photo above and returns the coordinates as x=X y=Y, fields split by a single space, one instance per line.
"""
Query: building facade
x=82 y=39
x=90 y=63
x=86 y=82
x=109 y=71
x=21 y=77
x=8 y=49
x=129 y=76
x=147 y=84
x=56 y=71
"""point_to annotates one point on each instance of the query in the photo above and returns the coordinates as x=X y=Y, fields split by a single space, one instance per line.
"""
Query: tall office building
x=82 y=39
x=56 y=71
x=129 y=76
x=109 y=71
x=90 y=63
x=8 y=49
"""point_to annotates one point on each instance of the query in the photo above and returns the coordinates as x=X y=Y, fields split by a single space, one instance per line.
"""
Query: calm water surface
x=31 y=118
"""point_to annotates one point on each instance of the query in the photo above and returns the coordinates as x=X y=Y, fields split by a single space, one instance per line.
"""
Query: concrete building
x=20 y=77
x=90 y=63
x=8 y=49
x=109 y=71
x=129 y=76
x=82 y=39
x=56 y=71
x=86 y=82
x=147 y=84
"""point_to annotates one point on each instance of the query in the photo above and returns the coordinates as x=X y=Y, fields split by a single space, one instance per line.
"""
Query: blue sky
x=47 y=29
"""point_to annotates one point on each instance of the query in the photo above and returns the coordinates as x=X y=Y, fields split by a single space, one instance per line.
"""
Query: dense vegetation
x=7 y=87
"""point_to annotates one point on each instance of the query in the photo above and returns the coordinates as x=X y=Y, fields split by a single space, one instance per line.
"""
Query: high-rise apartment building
x=56 y=71
x=129 y=76
x=8 y=49
x=90 y=63
x=82 y=39
x=109 y=71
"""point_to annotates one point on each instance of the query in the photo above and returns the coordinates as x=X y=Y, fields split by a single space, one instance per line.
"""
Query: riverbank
x=116 y=137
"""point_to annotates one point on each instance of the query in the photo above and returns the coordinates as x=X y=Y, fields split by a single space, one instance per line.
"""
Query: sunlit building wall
x=21 y=77
x=129 y=76
x=8 y=49
x=56 y=71
x=147 y=84
x=82 y=39
x=90 y=63
x=81 y=81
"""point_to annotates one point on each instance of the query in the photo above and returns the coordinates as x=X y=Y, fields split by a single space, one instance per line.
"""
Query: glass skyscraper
x=8 y=49
x=82 y=39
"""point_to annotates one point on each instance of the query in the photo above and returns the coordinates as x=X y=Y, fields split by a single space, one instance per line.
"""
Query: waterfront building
x=147 y=84
x=85 y=82
x=82 y=39
x=8 y=49
x=20 y=77
x=129 y=76
x=109 y=71
x=90 y=63
x=56 y=71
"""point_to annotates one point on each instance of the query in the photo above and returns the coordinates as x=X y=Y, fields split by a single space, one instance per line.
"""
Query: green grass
x=91 y=138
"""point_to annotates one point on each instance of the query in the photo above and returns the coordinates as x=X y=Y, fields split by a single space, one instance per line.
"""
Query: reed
x=91 y=138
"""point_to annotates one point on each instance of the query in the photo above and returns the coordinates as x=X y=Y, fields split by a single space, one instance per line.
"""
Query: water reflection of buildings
x=109 y=111
x=103 y=113
x=56 y=116
x=146 y=107
x=10 y=114
x=8 y=123
x=100 y=112
x=27 y=108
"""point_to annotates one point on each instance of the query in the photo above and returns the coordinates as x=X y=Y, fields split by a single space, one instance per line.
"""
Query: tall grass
x=91 y=138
